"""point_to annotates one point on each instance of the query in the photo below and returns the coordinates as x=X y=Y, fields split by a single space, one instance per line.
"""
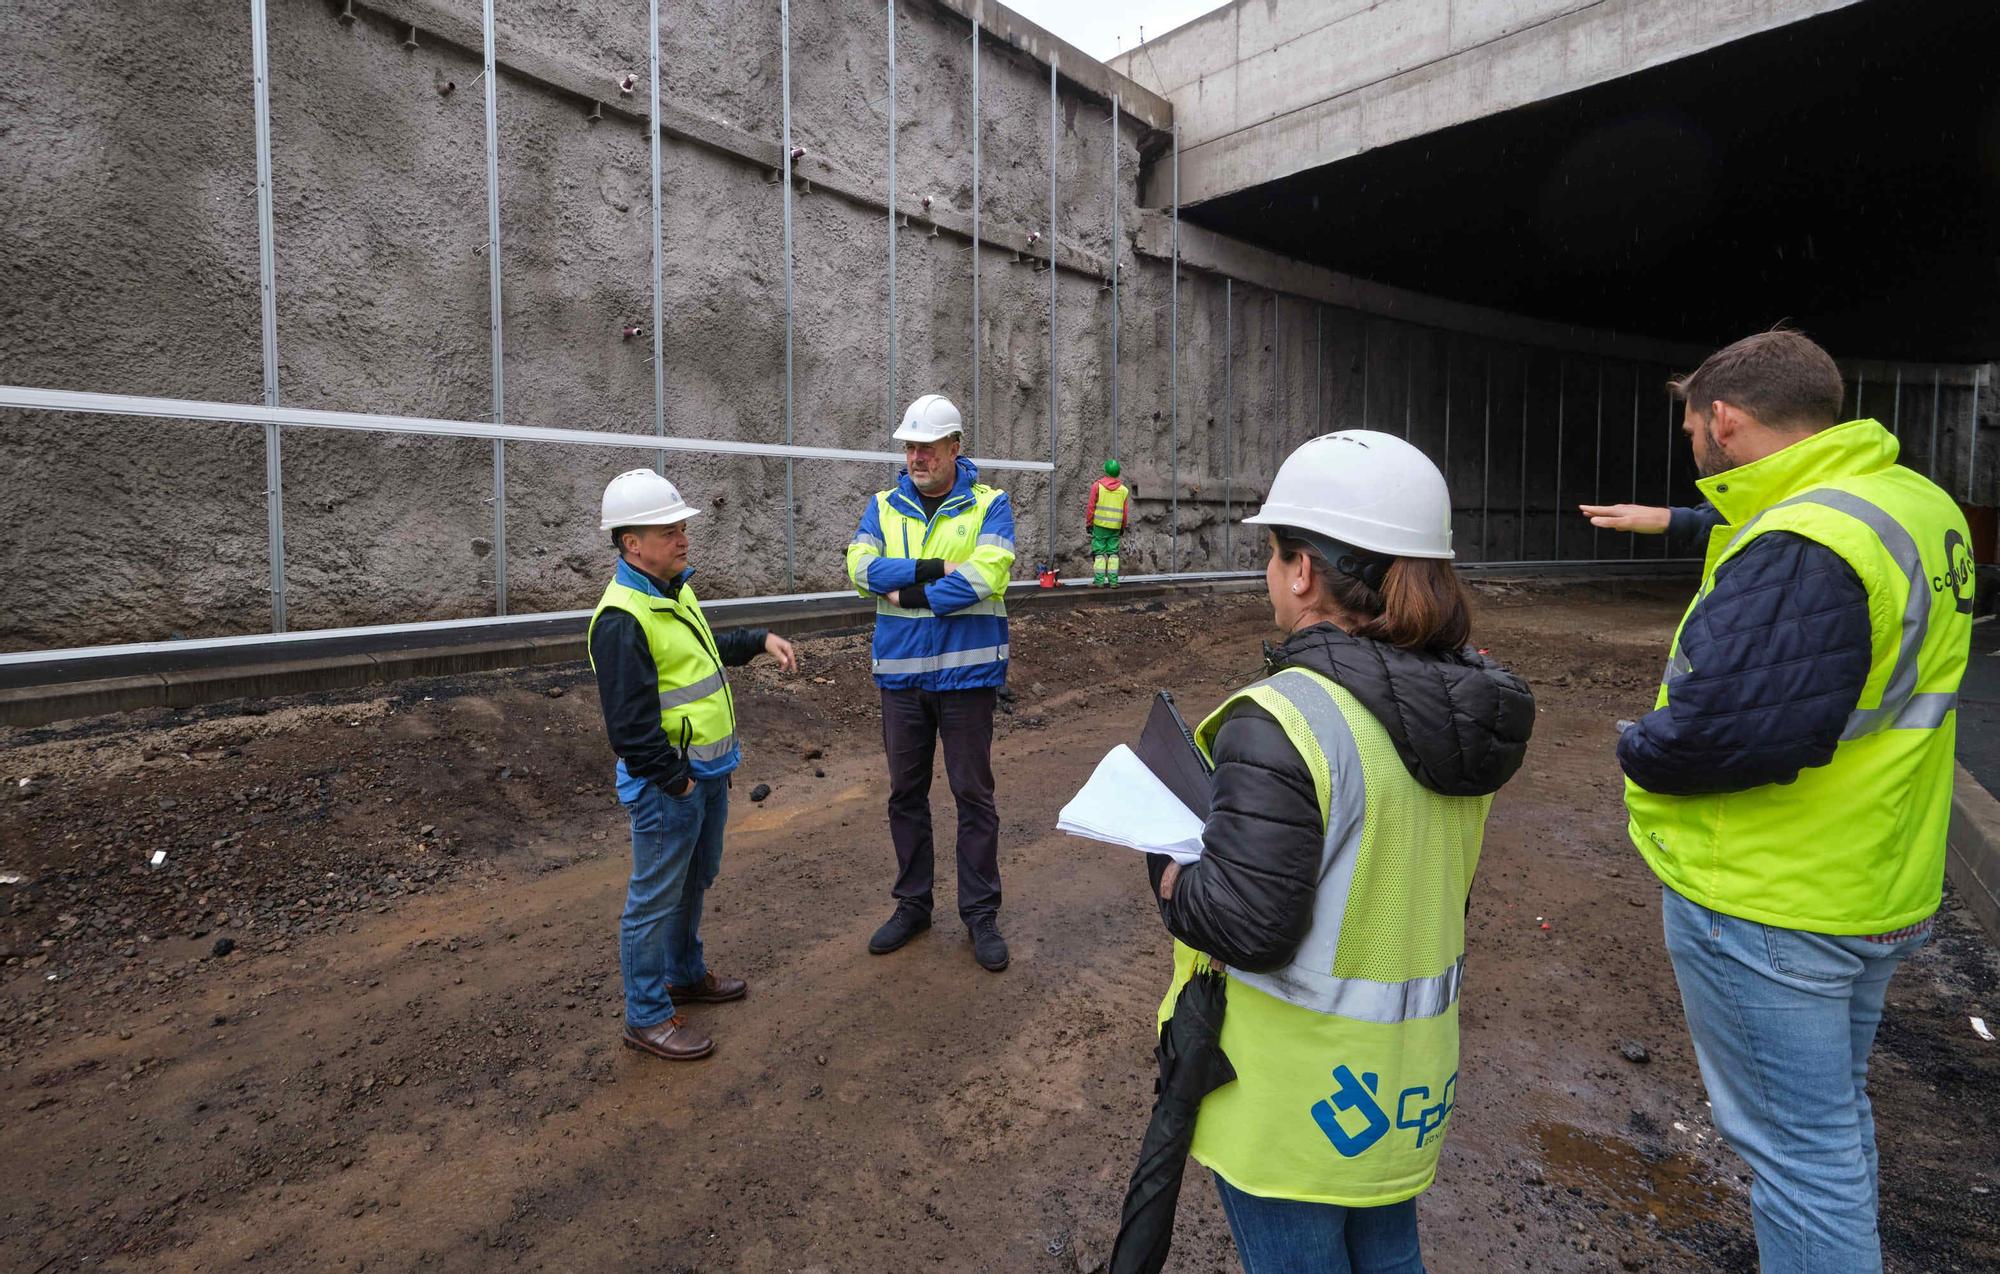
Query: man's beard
x=1717 y=460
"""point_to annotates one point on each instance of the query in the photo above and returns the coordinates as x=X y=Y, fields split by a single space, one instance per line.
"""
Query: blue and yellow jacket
x=951 y=572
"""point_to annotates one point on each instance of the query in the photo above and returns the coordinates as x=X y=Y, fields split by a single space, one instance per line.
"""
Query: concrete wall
x=1265 y=88
x=128 y=253
x=128 y=263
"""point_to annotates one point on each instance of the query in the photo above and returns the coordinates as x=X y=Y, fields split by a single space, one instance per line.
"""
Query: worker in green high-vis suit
x=1109 y=506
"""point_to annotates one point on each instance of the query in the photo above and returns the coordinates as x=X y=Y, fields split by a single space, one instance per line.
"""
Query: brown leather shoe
x=710 y=990
x=672 y=1039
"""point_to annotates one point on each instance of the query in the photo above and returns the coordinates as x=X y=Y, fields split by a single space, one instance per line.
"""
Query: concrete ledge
x=37 y=705
x=425 y=655
x=1972 y=853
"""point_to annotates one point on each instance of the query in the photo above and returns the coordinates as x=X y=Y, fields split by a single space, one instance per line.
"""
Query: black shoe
x=988 y=947
x=909 y=921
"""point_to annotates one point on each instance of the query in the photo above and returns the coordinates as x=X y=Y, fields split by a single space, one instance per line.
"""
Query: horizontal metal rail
x=1590 y=568
x=723 y=606
x=30 y=399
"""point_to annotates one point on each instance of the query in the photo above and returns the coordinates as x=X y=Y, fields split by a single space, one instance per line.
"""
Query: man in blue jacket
x=935 y=551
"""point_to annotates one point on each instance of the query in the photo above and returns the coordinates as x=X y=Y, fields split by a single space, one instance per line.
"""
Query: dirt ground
x=409 y=1060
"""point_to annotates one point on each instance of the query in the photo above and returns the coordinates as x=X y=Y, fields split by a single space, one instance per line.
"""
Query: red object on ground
x=1048 y=577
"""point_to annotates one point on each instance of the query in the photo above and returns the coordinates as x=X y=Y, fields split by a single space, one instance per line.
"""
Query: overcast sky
x=1105 y=28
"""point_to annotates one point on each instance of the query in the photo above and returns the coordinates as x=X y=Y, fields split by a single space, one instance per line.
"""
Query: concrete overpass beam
x=1264 y=90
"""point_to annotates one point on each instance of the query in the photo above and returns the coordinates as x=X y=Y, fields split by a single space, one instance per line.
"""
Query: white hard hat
x=640 y=497
x=1370 y=490
x=929 y=419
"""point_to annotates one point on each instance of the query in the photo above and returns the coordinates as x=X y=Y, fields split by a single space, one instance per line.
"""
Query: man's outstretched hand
x=1645 y=519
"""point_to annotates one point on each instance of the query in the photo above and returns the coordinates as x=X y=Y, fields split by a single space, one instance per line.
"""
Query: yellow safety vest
x=1109 y=514
x=1855 y=846
x=695 y=699
x=1347 y=1059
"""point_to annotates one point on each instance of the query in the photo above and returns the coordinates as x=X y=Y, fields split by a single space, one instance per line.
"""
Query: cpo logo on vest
x=1958 y=571
x=1356 y=1096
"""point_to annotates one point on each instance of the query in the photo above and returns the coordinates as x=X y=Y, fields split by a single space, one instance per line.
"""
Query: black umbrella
x=1191 y=1067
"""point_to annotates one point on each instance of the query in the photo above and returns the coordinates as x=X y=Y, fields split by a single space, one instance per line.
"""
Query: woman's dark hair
x=1421 y=604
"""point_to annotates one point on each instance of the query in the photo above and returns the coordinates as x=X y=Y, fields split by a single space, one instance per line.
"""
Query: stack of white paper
x=1124 y=803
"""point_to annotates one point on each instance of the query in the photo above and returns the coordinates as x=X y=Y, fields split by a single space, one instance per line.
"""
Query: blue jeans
x=676 y=852
x=1285 y=1236
x=1783 y=1021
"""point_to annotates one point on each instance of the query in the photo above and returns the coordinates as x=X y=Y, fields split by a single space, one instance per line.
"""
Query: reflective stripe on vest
x=938 y=663
x=991 y=606
x=715 y=751
x=686 y=695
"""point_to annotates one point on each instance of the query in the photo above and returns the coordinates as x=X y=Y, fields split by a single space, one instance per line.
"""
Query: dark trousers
x=912 y=723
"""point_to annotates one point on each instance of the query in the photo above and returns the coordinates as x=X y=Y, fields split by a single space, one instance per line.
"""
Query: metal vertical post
x=1366 y=334
x=1562 y=397
x=1669 y=500
x=1896 y=408
x=1860 y=392
x=1115 y=219
x=1228 y=411
x=491 y=81
x=1597 y=465
x=1409 y=387
x=1485 y=467
x=1972 y=449
x=1319 y=368
x=1054 y=375
x=785 y=90
x=1277 y=393
x=1174 y=372
x=1931 y=461
x=659 y=304
x=972 y=426
x=892 y=215
x=1632 y=541
x=1446 y=466
x=267 y=301
x=1521 y=526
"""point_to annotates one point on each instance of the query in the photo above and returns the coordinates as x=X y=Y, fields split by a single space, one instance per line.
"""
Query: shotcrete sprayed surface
x=129 y=263
x=410 y=1058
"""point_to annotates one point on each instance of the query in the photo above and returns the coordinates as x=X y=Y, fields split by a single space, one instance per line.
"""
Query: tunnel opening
x=1840 y=174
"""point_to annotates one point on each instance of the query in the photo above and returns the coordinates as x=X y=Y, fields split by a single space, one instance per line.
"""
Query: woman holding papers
x=1350 y=794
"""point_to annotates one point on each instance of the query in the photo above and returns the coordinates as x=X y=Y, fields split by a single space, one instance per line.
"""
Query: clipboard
x=1167 y=748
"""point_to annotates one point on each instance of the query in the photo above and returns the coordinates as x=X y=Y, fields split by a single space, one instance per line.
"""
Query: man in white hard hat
x=671 y=719
x=934 y=551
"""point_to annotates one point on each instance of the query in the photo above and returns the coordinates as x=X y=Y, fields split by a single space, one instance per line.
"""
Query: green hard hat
x=1111 y=468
